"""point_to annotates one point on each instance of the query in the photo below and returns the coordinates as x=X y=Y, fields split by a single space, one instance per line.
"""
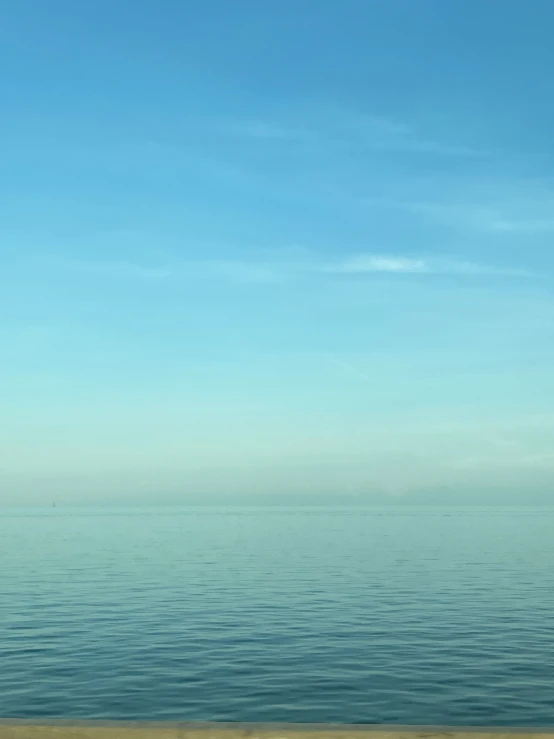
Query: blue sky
x=276 y=248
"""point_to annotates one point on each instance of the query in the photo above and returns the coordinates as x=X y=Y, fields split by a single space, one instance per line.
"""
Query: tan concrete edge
x=67 y=729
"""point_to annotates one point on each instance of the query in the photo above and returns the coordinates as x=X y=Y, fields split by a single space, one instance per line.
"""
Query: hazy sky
x=281 y=247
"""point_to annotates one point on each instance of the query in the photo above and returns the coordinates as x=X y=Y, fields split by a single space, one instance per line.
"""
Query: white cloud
x=309 y=265
x=275 y=271
x=367 y=264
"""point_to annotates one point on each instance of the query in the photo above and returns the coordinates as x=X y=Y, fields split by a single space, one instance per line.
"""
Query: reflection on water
x=328 y=615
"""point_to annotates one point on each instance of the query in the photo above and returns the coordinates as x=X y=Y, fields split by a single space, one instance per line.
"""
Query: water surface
x=352 y=615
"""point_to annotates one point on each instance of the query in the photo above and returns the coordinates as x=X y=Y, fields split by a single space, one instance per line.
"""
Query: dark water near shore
x=412 y=616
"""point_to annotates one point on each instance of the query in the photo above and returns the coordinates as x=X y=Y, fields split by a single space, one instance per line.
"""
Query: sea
x=352 y=615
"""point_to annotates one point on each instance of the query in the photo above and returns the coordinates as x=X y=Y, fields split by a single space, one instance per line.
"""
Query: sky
x=283 y=250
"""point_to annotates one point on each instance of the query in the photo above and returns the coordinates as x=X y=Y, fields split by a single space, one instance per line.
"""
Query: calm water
x=339 y=615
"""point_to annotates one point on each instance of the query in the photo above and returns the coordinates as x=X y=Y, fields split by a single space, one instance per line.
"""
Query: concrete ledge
x=67 y=729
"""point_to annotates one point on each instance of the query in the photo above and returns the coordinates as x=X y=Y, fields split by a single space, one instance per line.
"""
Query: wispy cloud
x=413 y=143
x=351 y=370
x=275 y=271
x=355 y=265
x=478 y=217
x=125 y=270
x=265 y=131
x=337 y=128
x=367 y=264
x=385 y=133
x=538 y=225
x=236 y=271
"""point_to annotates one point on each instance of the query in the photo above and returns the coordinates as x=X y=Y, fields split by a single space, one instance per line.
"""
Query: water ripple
x=322 y=615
